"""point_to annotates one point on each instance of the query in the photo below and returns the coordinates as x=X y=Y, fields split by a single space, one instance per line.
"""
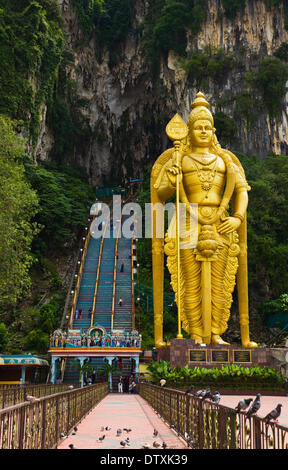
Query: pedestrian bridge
x=77 y=417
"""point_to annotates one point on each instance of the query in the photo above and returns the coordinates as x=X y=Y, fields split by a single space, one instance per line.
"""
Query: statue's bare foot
x=160 y=344
x=250 y=344
x=216 y=339
x=197 y=339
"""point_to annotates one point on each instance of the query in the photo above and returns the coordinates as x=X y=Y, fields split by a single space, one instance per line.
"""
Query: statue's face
x=201 y=133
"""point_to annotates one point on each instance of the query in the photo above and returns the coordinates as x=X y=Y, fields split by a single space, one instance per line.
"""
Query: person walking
x=120 y=302
x=122 y=268
x=76 y=314
x=120 y=384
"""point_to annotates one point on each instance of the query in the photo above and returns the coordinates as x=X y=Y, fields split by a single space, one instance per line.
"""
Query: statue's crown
x=200 y=109
x=200 y=101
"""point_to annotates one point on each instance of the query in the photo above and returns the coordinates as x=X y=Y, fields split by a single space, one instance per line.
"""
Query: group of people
x=126 y=384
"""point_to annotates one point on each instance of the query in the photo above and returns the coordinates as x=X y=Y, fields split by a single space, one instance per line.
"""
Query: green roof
x=21 y=359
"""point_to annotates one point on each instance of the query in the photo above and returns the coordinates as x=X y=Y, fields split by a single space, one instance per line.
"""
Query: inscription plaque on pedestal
x=219 y=355
x=241 y=356
x=197 y=355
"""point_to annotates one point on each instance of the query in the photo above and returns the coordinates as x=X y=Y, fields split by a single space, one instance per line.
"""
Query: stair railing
x=98 y=268
x=115 y=273
x=132 y=277
x=80 y=272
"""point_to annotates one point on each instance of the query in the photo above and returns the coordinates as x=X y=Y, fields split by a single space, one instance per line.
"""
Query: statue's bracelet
x=239 y=216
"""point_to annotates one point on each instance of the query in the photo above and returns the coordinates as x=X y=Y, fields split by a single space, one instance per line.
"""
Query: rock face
x=128 y=108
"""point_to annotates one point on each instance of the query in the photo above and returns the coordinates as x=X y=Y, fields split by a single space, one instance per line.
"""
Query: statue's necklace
x=206 y=172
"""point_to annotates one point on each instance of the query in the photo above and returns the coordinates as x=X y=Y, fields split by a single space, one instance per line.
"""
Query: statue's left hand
x=229 y=225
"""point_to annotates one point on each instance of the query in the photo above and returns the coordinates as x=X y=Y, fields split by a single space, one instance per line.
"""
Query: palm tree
x=108 y=370
x=84 y=368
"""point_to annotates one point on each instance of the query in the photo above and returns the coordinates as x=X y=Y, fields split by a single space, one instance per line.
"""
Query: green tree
x=4 y=337
x=18 y=206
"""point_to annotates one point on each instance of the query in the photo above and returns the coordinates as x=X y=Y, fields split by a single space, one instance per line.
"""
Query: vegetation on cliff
x=31 y=45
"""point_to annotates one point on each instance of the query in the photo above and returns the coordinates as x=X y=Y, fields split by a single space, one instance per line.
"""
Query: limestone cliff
x=128 y=108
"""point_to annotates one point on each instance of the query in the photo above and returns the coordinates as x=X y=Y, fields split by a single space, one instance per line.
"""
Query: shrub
x=228 y=376
x=211 y=63
x=271 y=81
x=282 y=52
x=226 y=127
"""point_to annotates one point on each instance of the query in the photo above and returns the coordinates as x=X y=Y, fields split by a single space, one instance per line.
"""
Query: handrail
x=40 y=424
x=115 y=273
x=75 y=298
x=207 y=425
x=132 y=278
x=98 y=268
x=11 y=395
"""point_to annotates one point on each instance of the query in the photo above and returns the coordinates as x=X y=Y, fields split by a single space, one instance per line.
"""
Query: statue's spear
x=177 y=131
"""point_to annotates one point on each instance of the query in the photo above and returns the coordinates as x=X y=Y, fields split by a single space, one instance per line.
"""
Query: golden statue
x=203 y=275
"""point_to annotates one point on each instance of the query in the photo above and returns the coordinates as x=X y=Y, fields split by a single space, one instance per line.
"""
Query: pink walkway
x=120 y=411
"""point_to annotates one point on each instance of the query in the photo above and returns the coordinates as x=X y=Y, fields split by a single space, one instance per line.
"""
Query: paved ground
x=133 y=412
x=122 y=411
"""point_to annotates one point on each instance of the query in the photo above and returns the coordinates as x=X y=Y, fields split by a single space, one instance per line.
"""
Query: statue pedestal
x=184 y=352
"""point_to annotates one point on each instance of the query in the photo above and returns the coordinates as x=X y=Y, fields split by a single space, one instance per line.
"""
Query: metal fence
x=206 y=425
x=39 y=425
x=13 y=394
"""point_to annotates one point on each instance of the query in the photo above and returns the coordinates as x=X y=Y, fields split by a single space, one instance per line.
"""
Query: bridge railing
x=206 y=425
x=40 y=424
x=10 y=395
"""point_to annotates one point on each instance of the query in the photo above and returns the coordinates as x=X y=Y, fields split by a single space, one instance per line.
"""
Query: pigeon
x=127 y=430
x=255 y=406
x=207 y=394
x=107 y=428
x=274 y=414
x=155 y=433
x=199 y=393
x=216 y=397
x=156 y=444
x=63 y=434
x=189 y=389
x=162 y=382
x=119 y=431
x=30 y=398
x=164 y=445
x=146 y=446
x=72 y=446
x=101 y=438
x=123 y=443
x=70 y=387
x=243 y=404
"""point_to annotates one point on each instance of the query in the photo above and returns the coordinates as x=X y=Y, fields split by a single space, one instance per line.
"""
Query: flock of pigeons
x=243 y=405
x=124 y=442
